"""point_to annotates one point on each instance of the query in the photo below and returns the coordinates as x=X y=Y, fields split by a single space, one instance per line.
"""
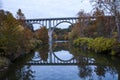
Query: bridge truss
x=54 y=60
x=52 y=22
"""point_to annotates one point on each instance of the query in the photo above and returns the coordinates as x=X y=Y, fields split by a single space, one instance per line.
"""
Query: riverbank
x=6 y=60
x=18 y=37
x=99 y=45
x=102 y=65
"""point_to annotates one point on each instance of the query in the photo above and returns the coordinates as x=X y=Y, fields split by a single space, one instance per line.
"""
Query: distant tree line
x=61 y=34
x=97 y=25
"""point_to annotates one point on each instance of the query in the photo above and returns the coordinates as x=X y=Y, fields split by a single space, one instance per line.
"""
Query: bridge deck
x=67 y=64
x=64 y=18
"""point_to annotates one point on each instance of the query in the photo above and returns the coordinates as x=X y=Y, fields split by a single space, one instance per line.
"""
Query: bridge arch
x=37 y=25
x=53 y=22
x=63 y=22
x=37 y=58
x=71 y=59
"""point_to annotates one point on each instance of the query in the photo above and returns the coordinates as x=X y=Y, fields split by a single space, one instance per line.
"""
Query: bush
x=82 y=41
x=102 y=44
x=98 y=45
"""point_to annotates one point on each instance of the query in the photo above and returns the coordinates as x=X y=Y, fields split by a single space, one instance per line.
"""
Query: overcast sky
x=46 y=8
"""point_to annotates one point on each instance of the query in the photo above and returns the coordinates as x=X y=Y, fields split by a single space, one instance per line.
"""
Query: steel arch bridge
x=52 y=22
x=55 y=60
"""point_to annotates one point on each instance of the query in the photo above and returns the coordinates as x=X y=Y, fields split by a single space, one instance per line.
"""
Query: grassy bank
x=98 y=45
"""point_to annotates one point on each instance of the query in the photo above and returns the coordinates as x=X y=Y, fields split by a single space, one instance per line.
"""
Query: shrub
x=82 y=41
x=102 y=44
x=98 y=45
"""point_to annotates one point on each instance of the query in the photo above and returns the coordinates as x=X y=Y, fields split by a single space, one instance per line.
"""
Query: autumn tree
x=96 y=25
x=60 y=34
x=83 y=22
x=15 y=39
x=79 y=27
x=42 y=34
x=21 y=19
x=75 y=31
x=101 y=29
x=9 y=33
x=43 y=52
x=110 y=7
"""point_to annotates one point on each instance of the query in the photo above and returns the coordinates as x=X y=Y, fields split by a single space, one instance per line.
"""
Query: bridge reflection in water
x=53 y=59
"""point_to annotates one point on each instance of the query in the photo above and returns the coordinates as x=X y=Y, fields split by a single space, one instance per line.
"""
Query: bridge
x=52 y=23
x=53 y=59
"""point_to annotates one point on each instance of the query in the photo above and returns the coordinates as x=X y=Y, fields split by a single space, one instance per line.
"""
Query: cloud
x=46 y=8
x=0 y=4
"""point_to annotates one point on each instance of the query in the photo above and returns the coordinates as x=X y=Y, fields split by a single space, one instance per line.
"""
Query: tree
x=60 y=34
x=42 y=34
x=102 y=24
x=21 y=19
x=82 y=22
x=77 y=29
x=110 y=7
x=20 y=15
x=9 y=33
x=14 y=38
x=43 y=52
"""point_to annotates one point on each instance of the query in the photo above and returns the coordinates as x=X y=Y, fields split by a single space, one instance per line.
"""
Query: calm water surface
x=63 y=62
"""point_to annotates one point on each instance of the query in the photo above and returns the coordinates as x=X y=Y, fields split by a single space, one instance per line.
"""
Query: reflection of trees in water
x=85 y=71
x=24 y=73
x=105 y=64
x=19 y=71
x=58 y=46
x=43 y=52
x=100 y=70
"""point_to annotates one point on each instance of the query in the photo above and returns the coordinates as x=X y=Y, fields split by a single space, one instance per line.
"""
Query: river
x=63 y=62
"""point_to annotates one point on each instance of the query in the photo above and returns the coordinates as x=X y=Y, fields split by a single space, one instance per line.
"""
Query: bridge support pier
x=50 y=31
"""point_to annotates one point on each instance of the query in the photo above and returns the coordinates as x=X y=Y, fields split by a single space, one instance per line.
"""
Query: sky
x=46 y=8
